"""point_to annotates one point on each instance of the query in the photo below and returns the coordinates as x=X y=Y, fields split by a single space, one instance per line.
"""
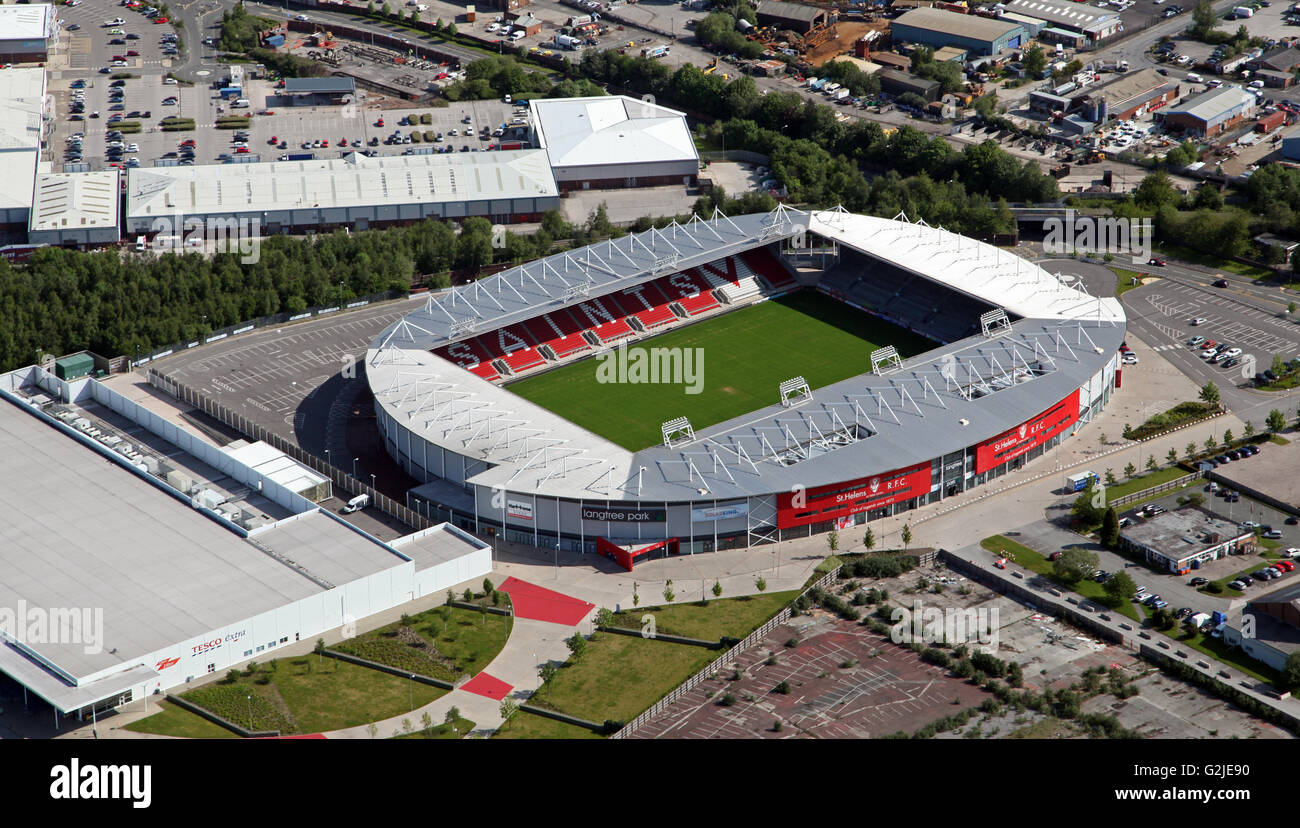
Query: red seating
x=609 y=325
x=469 y=354
x=648 y=304
x=725 y=269
x=558 y=331
x=692 y=292
x=523 y=359
x=764 y=264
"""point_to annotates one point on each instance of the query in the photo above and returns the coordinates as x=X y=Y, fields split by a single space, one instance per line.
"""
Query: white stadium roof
x=75 y=201
x=962 y=393
x=611 y=129
x=353 y=181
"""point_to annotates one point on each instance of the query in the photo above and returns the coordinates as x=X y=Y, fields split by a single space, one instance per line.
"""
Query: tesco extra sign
x=209 y=646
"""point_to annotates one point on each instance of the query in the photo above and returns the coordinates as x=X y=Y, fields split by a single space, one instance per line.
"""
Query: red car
x=274 y=140
x=380 y=122
x=132 y=53
x=188 y=142
x=343 y=142
x=160 y=20
x=241 y=150
x=325 y=142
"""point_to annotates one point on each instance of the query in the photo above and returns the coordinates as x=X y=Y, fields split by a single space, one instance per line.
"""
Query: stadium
x=737 y=381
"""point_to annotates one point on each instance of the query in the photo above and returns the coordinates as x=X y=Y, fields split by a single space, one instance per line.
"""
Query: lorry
x=1079 y=482
x=658 y=51
x=356 y=504
x=580 y=20
x=567 y=42
x=1242 y=12
x=840 y=96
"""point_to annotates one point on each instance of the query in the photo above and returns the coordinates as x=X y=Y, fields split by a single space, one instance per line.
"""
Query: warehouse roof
x=1131 y=89
x=276 y=466
x=1071 y=15
x=354 y=181
x=1214 y=103
x=1183 y=532
x=611 y=129
x=789 y=11
x=957 y=25
x=74 y=201
x=27 y=22
x=22 y=100
x=341 y=85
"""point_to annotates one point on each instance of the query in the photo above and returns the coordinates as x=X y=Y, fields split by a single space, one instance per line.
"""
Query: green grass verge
x=1184 y=412
x=458 y=729
x=1125 y=277
x=466 y=640
x=1218 y=651
x=619 y=676
x=1035 y=561
x=1281 y=441
x=1144 y=481
x=531 y=726
x=746 y=355
x=734 y=617
x=1187 y=254
x=309 y=694
x=177 y=721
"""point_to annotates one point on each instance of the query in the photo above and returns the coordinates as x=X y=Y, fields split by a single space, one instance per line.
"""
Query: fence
x=254 y=431
x=719 y=663
x=735 y=155
x=266 y=321
x=218 y=720
x=1160 y=488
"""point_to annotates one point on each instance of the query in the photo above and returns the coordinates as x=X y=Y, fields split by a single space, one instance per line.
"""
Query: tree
x=869 y=539
x=577 y=645
x=636 y=596
x=547 y=671
x=386 y=10
x=1203 y=19
x=1111 y=479
x=1119 y=587
x=1210 y=394
x=1151 y=462
x=604 y=617
x=1190 y=449
x=1227 y=437
x=452 y=715
x=760 y=583
x=1110 y=529
x=1130 y=470
x=833 y=540
x=906 y=534
x=1249 y=430
x=1208 y=197
x=1156 y=190
x=1210 y=445
x=717 y=588
x=1075 y=564
x=1035 y=62
x=509 y=707
x=1279 y=365
x=487 y=586
x=1291 y=673
x=1084 y=511
x=669 y=595
x=1275 y=421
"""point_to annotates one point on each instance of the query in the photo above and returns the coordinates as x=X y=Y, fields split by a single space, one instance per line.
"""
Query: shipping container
x=1273 y=120
x=74 y=367
x=1079 y=482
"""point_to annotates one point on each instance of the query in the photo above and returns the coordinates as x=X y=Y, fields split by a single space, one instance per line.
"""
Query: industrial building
x=355 y=191
x=614 y=141
x=1276 y=633
x=78 y=208
x=1131 y=95
x=1184 y=539
x=1075 y=24
x=1211 y=112
x=1281 y=59
x=22 y=127
x=318 y=91
x=793 y=16
x=166 y=559
x=939 y=27
x=279 y=467
x=901 y=83
x=27 y=32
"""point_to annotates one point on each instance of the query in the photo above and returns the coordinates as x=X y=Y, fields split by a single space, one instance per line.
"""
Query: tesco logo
x=206 y=647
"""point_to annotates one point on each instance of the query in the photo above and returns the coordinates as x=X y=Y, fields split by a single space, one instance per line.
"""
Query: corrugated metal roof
x=71 y=201
x=790 y=11
x=1214 y=103
x=340 y=85
x=611 y=129
x=957 y=25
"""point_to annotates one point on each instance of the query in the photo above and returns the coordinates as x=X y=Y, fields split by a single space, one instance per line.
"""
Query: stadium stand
x=770 y=270
x=654 y=310
x=469 y=355
x=692 y=292
x=604 y=326
x=559 y=332
x=733 y=278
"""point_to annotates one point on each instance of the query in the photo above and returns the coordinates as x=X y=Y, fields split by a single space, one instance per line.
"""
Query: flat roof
x=1074 y=15
x=1131 y=89
x=292 y=85
x=27 y=22
x=955 y=24
x=75 y=201
x=276 y=465
x=611 y=129
x=790 y=11
x=22 y=105
x=93 y=534
x=353 y=181
x=1181 y=533
x=437 y=545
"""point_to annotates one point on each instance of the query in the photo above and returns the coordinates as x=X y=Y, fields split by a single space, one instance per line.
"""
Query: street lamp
x=372 y=480
x=327 y=458
x=557 y=560
x=411 y=685
x=250 y=711
x=354 y=466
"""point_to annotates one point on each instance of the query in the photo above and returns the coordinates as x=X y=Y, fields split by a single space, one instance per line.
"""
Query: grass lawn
x=443 y=731
x=1033 y=560
x=1259 y=563
x=531 y=726
x=619 y=676
x=1187 y=254
x=1233 y=656
x=1125 y=280
x=1281 y=441
x=1145 y=481
x=177 y=721
x=309 y=694
x=745 y=355
x=735 y=617
x=469 y=640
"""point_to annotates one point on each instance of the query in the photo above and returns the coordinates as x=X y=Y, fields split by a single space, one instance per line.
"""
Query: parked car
x=1198 y=581
x=1220 y=283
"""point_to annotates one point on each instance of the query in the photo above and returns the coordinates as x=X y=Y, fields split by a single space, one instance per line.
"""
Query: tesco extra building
x=1028 y=358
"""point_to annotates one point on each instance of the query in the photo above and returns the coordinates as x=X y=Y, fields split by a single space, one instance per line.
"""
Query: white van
x=141 y=244
x=357 y=503
x=241 y=103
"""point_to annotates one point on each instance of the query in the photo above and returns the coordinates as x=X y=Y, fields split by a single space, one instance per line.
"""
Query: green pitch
x=744 y=355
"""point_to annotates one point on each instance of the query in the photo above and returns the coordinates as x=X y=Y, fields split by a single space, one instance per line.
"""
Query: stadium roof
x=93 y=534
x=353 y=181
x=610 y=129
x=22 y=104
x=956 y=395
x=75 y=201
x=27 y=22
x=952 y=23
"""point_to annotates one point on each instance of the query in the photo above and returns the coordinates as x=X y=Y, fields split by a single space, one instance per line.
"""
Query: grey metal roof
x=1214 y=103
x=789 y=11
x=954 y=24
x=345 y=85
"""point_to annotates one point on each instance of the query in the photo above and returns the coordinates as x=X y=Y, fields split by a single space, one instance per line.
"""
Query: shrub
x=792 y=642
x=727 y=700
x=783 y=688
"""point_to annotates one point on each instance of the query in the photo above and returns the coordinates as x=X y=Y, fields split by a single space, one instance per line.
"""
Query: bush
x=727 y=700
x=792 y=642
x=783 y=688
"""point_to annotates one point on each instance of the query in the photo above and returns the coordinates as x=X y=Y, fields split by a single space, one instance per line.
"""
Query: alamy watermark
x=653 y=366
x=27 y=625
x=1099 y=235
x=947 y=625
x=217 y=235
